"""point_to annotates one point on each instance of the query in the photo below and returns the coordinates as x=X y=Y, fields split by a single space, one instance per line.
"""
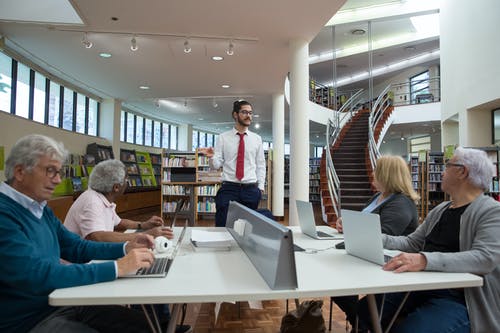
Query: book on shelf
x=211 y=239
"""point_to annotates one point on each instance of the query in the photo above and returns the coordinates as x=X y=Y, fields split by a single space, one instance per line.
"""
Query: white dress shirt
x=226 y=154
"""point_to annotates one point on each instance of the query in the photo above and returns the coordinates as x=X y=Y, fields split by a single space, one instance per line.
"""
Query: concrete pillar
x=109 y=123
x=278 y=170
x=299 y=126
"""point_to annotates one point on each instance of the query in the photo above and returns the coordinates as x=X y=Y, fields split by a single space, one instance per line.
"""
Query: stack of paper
x=211 y=239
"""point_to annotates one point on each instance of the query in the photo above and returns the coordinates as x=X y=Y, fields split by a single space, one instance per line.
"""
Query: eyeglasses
x=246 y=112
x=52 y=172
x=450 y=164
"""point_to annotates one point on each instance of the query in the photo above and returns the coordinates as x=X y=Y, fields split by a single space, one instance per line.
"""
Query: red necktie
x=240 y=162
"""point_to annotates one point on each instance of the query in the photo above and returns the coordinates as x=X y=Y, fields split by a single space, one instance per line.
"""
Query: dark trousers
x=432 y=311
x=247 y=195
x=90 y=319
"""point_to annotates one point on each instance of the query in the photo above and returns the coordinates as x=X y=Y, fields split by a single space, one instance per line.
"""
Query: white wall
x=470 y=71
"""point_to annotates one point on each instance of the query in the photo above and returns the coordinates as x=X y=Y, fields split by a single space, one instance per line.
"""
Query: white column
x=185 y=137
x=299 y=126
x=109 y=123
x=278 y=155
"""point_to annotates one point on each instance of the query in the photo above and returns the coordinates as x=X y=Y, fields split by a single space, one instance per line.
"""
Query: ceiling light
x=257 y=126
x=214 y=103
x=217 y=58
x=144 y=87
x=256 y=115
x=85 y=41
x=230 y=49
x=402 y=138
x=186 y=102
x=105 y=55
x=200 y=119
x=157 y=103
x=133 y=44
x=187 y=48
x=358 y=32
x=226 y=86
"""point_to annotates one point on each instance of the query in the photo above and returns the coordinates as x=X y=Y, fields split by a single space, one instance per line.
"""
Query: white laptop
x=363 y=236
x=308 y=224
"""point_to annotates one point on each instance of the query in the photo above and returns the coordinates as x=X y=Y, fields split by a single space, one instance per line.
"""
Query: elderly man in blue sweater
x=33 y=242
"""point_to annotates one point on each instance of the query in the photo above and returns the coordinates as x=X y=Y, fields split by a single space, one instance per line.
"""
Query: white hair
x=106 y=174
x=481 y=168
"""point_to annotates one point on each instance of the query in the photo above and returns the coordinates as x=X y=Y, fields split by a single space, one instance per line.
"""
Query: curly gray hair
x=28 y=150
x=481 y=169
x=106 y=174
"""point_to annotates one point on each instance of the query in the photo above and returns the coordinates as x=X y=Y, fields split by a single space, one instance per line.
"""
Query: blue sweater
x=30 y=252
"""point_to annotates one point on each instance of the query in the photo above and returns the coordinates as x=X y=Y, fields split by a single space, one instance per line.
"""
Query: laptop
x=162 y=261
x=308 y=224
x=363 y=236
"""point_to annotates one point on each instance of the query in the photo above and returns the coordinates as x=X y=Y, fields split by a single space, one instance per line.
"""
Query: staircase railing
x=333 y=129
x=383 y=102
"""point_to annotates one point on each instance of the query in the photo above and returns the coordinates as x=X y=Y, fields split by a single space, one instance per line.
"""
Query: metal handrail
x=378 y=109
x=333 y=129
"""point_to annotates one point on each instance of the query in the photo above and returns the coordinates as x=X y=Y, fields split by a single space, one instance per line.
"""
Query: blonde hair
x=393 y=173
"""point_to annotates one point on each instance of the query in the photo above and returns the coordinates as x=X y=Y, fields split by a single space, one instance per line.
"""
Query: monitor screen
x=268 y=245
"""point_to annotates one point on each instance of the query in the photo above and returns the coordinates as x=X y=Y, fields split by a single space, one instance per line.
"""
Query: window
x=54 y=104
x=210 y=140
x=418 y=144
x=130 y=127
x=156 y=134
x=68 y=110
x=139 y=130
x=148 y=132
x=194 y=145
x=93 y=120
x=23 y=91
x=5 y=82
x=173 y=137
x=318 y=151
x=122 y=126
x=202 y=139
x=39 y=98
x=80 y=113
x=419 y=85
x=165 y=136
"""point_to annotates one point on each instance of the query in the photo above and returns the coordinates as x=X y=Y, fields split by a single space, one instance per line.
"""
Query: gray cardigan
x=479 y=254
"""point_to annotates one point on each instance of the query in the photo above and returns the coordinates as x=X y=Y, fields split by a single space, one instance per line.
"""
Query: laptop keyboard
x=159 y=267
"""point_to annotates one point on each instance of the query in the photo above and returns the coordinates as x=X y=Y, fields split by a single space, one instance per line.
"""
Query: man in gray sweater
x=462 y=235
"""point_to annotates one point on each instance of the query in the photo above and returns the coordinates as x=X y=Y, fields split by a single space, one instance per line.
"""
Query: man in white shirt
x=240 y=154
x=93 y=215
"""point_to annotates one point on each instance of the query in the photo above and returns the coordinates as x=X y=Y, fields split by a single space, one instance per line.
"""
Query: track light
x=133 y=44
x=85 y=41
x=214 y=103
x=187 y=48
x=230 y=50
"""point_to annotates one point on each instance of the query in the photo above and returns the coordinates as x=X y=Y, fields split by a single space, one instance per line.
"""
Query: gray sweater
x=479 y=254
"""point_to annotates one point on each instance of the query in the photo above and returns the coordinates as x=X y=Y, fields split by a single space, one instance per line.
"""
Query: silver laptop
x=308 y=224
x=162 y=263
x=363 y=236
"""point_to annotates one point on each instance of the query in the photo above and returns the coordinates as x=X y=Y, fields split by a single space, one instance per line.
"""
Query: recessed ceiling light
x=257 y=126
x=105 y=55
x=226 y=86
x=217 y=58
x=144 y=87
x=256 y=115
x=358 y=32
x=201 y=119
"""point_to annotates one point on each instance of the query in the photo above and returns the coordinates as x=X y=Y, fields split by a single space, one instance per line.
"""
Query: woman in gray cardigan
x=462 y=235
x=395 y=203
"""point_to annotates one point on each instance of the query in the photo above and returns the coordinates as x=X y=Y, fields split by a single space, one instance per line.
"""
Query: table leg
x=174 y=315
x=372 y=306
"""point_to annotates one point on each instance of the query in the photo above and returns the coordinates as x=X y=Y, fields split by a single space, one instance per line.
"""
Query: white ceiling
x=187 y=83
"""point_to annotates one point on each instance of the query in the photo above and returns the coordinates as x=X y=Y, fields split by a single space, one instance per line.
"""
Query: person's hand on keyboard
x=135 y=259
x=140 y=240
x=161 y=231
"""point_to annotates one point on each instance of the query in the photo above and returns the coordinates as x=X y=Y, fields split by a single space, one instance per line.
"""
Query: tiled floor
x=239 y=317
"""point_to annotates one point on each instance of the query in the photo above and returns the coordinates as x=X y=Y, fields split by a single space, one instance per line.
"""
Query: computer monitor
x=268 y=245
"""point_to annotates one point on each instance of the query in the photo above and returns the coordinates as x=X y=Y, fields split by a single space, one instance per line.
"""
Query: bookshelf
x=266 y=200
x=145 y=169
x=417 y=175
x=100 y=152
x=129 y=158
x=286 y=190
x=434 y=195
x=156 y=165
x=314 y=179
x=187 y=176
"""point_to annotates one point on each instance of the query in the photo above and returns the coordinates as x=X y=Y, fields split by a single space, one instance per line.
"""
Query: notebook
x=162 y=261
x=363 y=236
x=308 y=224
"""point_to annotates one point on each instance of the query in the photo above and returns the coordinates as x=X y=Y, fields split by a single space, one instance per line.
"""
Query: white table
x=197 y=277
